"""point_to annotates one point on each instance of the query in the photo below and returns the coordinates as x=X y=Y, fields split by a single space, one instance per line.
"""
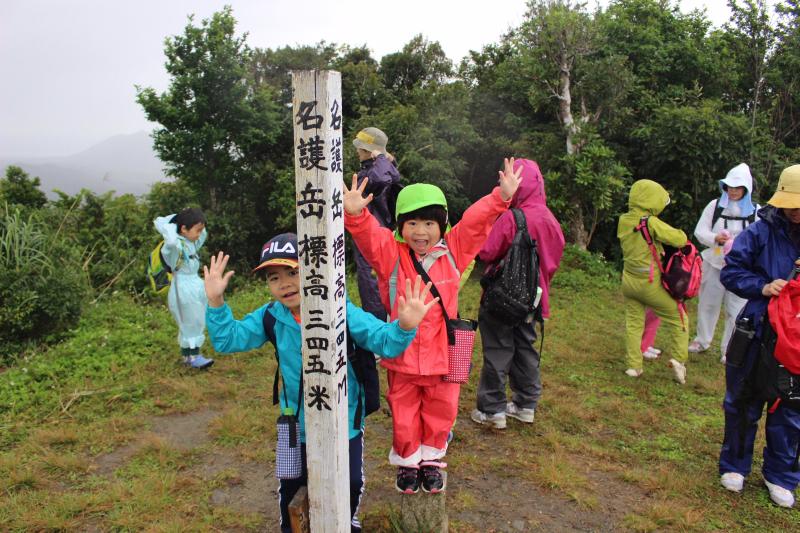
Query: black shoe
x=407 y=480
x=432 y=480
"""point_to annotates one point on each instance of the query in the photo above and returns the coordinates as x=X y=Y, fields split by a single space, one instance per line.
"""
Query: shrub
x=42 y=284
x=582 y=270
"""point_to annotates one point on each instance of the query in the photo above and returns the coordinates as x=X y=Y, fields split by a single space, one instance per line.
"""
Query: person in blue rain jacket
x=757 y=268
x=184 y=235
x=279 y=261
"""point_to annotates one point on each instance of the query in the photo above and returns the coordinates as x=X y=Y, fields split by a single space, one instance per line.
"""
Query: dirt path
x=479 y=497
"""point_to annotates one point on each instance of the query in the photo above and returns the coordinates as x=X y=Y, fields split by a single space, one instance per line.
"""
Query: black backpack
x=510 y=286
x=364 y=367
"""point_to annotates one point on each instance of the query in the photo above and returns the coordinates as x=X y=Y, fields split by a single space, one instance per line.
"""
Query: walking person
x=722 y=220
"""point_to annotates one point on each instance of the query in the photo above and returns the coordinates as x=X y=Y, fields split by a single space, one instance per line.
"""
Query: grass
x=78 y=450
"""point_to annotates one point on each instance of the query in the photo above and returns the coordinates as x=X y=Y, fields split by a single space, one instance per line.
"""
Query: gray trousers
x=508 y=351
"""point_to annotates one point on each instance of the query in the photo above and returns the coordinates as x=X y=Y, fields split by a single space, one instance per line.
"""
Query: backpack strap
x=451 y=334
x=268 y=322
x=394 y=275
x=718 y=214
x=645 y=231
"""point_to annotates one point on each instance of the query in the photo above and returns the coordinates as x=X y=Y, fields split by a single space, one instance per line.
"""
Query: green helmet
x=417 y=196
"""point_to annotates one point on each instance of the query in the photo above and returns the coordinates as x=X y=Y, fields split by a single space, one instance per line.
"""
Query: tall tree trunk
x=577 y=229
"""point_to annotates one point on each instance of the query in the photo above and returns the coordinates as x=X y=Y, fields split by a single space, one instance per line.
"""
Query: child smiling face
x=421 y=234
x=284 y=284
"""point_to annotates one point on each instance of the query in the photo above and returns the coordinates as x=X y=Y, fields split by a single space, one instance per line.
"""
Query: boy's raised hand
x=509 y=179
x=354 y=201
x=216 y=279
x=411 y=311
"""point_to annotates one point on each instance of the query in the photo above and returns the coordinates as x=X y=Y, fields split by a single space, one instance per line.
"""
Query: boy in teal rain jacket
x=279 y=261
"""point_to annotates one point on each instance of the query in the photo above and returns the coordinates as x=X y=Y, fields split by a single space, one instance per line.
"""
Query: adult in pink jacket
x=509 y=350
x=424 y=407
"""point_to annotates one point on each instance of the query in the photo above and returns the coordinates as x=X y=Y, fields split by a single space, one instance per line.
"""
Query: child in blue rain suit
x=279 y=262
x=184 y=235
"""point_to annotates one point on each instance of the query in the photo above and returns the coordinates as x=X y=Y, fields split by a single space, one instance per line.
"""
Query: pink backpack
x=681 y=268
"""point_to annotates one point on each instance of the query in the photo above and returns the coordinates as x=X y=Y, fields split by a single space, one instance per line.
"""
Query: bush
x=582 y=270
x=42 y=284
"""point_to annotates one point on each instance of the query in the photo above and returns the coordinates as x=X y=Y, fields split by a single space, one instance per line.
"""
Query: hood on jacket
x=531 y=188
x=738 y=176
x=648 y=196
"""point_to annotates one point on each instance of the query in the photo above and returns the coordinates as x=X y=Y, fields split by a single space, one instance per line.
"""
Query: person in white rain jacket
x=184 y=235
x=722 y=220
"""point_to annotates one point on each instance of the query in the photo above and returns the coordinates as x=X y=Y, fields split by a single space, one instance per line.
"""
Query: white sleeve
x=703 y=231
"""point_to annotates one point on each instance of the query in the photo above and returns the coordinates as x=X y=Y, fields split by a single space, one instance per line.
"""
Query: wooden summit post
x=317 y=117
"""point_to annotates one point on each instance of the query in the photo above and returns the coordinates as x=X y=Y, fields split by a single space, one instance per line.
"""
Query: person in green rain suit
x=641 y=278
x=184 y=235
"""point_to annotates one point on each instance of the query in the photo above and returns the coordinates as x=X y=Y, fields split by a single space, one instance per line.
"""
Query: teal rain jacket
x=229 y=335
x=187 y=294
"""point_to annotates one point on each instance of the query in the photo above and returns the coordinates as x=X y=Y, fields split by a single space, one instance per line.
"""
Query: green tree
x=221 y=132
x=18 y=188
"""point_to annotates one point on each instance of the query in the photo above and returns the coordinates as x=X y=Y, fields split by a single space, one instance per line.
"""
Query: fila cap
x=281 y=250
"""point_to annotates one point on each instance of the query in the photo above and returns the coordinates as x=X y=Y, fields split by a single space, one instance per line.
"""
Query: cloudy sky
x=69 y=66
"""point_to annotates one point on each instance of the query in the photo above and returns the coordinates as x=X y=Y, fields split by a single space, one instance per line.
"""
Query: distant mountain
x=123 y=163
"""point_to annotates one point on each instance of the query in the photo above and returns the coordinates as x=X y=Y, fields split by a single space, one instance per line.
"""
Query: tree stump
x=423 y=512
x=298 y=512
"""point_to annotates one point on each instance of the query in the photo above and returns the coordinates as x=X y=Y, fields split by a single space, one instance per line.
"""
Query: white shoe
x=651 y=353
x=779 y=495
x=522 y=414
x=497 y=420
x=733 y=481
x=679 y=369
x=723 y=359
x=634 y=372
x=696 y=347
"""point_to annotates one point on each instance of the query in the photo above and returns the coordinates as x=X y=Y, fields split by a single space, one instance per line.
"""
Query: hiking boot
x=432 y=479
x=497 y=420
x=407 y=479
x=197 y=361
x=733 y=481
x=779 y=495
x=522 y=414
x=679 y=369
x=634 y=372
x=696 y=347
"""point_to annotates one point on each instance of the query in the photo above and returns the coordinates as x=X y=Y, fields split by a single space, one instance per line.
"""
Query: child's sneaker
x=679 y=369
x=520 y=413
x=432 y=479
x=197 y=361
x=779 y=495
x=696 y=347
x=733 y=481
x=497 y=420
x=651 y=353
x=407 y=479
x=634 y=372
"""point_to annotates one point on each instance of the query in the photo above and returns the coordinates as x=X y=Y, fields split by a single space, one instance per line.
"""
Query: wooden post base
x=423 y=512
x=298 y=512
